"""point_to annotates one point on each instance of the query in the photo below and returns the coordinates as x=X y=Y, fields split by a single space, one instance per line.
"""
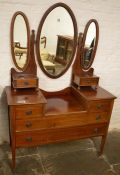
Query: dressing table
x=39 y=117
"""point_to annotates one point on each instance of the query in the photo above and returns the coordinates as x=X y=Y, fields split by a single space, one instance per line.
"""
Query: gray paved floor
x=69 y=158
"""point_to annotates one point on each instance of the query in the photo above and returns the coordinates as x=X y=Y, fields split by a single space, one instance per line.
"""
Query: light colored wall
x=107 y=61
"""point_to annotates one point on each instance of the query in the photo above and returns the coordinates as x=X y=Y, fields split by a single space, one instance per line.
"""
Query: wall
x=107 y=61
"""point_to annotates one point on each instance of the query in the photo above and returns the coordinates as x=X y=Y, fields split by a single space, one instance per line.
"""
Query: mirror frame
x=12 y=38
x=95 y=46
x=70 y=12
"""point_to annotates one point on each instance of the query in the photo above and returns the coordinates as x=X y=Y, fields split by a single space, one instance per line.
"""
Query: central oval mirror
x=90 y=42
x=56 y=40
x=20 y=39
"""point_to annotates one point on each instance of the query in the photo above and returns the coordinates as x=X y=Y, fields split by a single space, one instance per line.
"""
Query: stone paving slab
x=112 y=146
x=83 y=162
x=51 y=149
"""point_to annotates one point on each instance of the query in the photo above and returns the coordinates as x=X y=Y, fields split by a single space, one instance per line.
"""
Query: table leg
x=13 y=156
x=102 y=144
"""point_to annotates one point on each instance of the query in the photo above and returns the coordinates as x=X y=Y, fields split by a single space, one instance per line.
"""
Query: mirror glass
x=89 y=45
x=20 y=41
x=56 y=42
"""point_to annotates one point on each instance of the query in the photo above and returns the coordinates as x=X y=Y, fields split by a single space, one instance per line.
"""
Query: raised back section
x=28 y=77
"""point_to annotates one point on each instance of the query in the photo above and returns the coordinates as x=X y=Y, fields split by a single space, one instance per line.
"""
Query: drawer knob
x=28 y=112
x=28 y=124
x=98 y=117
x=29 y=139
x=26 y=83
x=88 y=82
x=95 y=130
x=99 y=106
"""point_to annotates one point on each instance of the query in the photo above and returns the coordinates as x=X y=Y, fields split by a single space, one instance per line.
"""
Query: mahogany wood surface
x=40 y=117
x=34 y=138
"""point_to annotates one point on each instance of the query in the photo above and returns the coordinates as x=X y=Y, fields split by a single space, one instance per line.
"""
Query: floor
x=69 y=158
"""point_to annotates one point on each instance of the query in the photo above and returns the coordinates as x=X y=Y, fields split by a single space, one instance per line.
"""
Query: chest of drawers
x=39 y=117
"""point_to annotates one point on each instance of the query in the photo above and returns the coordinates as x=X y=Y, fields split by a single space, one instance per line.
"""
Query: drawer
x=57 y=135
x=59 y=122
x=51 y=122
x=89 y=81
x=99 y=106
x=102 y=117
x=29 y=111
x=25 y=83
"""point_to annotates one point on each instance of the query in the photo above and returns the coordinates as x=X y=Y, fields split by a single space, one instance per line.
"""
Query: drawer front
x=89 y=81
x=60 y=122
x=25 y=83
x=28 y=111
x=102 y=117
x=99 y=106
x=51 y=122
x=58 y=135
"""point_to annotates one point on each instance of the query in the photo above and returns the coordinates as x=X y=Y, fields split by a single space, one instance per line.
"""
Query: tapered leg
x=102 y=144
x=13 y=156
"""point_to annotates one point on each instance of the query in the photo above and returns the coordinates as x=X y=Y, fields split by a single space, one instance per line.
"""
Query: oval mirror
x=90 y=42
x=20 y=40
x=56 y=40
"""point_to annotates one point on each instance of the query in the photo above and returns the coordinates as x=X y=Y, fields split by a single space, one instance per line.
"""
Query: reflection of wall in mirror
x=90 y=34
x=58 y=22
x=20 y=31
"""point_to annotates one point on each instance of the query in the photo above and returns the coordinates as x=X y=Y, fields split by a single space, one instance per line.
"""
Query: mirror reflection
x=89 y=45
x=56 y=41
x=20 y=41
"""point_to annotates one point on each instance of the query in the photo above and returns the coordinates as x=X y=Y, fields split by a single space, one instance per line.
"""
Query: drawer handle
x=89 y=82
x=28 y=124
x=28 y=112
x=99 y=106
x=26 y=83
x=95 y=130
x=98 y=117
x=29 y=139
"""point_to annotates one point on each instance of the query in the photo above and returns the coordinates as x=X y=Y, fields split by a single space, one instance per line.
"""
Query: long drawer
x=57 y=122
x=57 y=135
x=29 y=111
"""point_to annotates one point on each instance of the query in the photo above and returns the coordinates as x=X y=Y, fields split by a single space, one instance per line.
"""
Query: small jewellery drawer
x=28 y=111
x=25 y=83
x=89 y=81
x=32 y=138
x=99 y=106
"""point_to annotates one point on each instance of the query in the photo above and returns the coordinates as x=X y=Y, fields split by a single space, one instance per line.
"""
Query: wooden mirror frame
x=95 y=46
x=12 y=38
x=39 y=34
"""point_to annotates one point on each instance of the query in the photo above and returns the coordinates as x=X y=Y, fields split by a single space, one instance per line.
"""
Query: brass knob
x=28 y=112
x=29 y=139
x=17 y=117
x=98 y=117
x=99 y=106
x=28 y=124
x=26 y=83
x=95 y=130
